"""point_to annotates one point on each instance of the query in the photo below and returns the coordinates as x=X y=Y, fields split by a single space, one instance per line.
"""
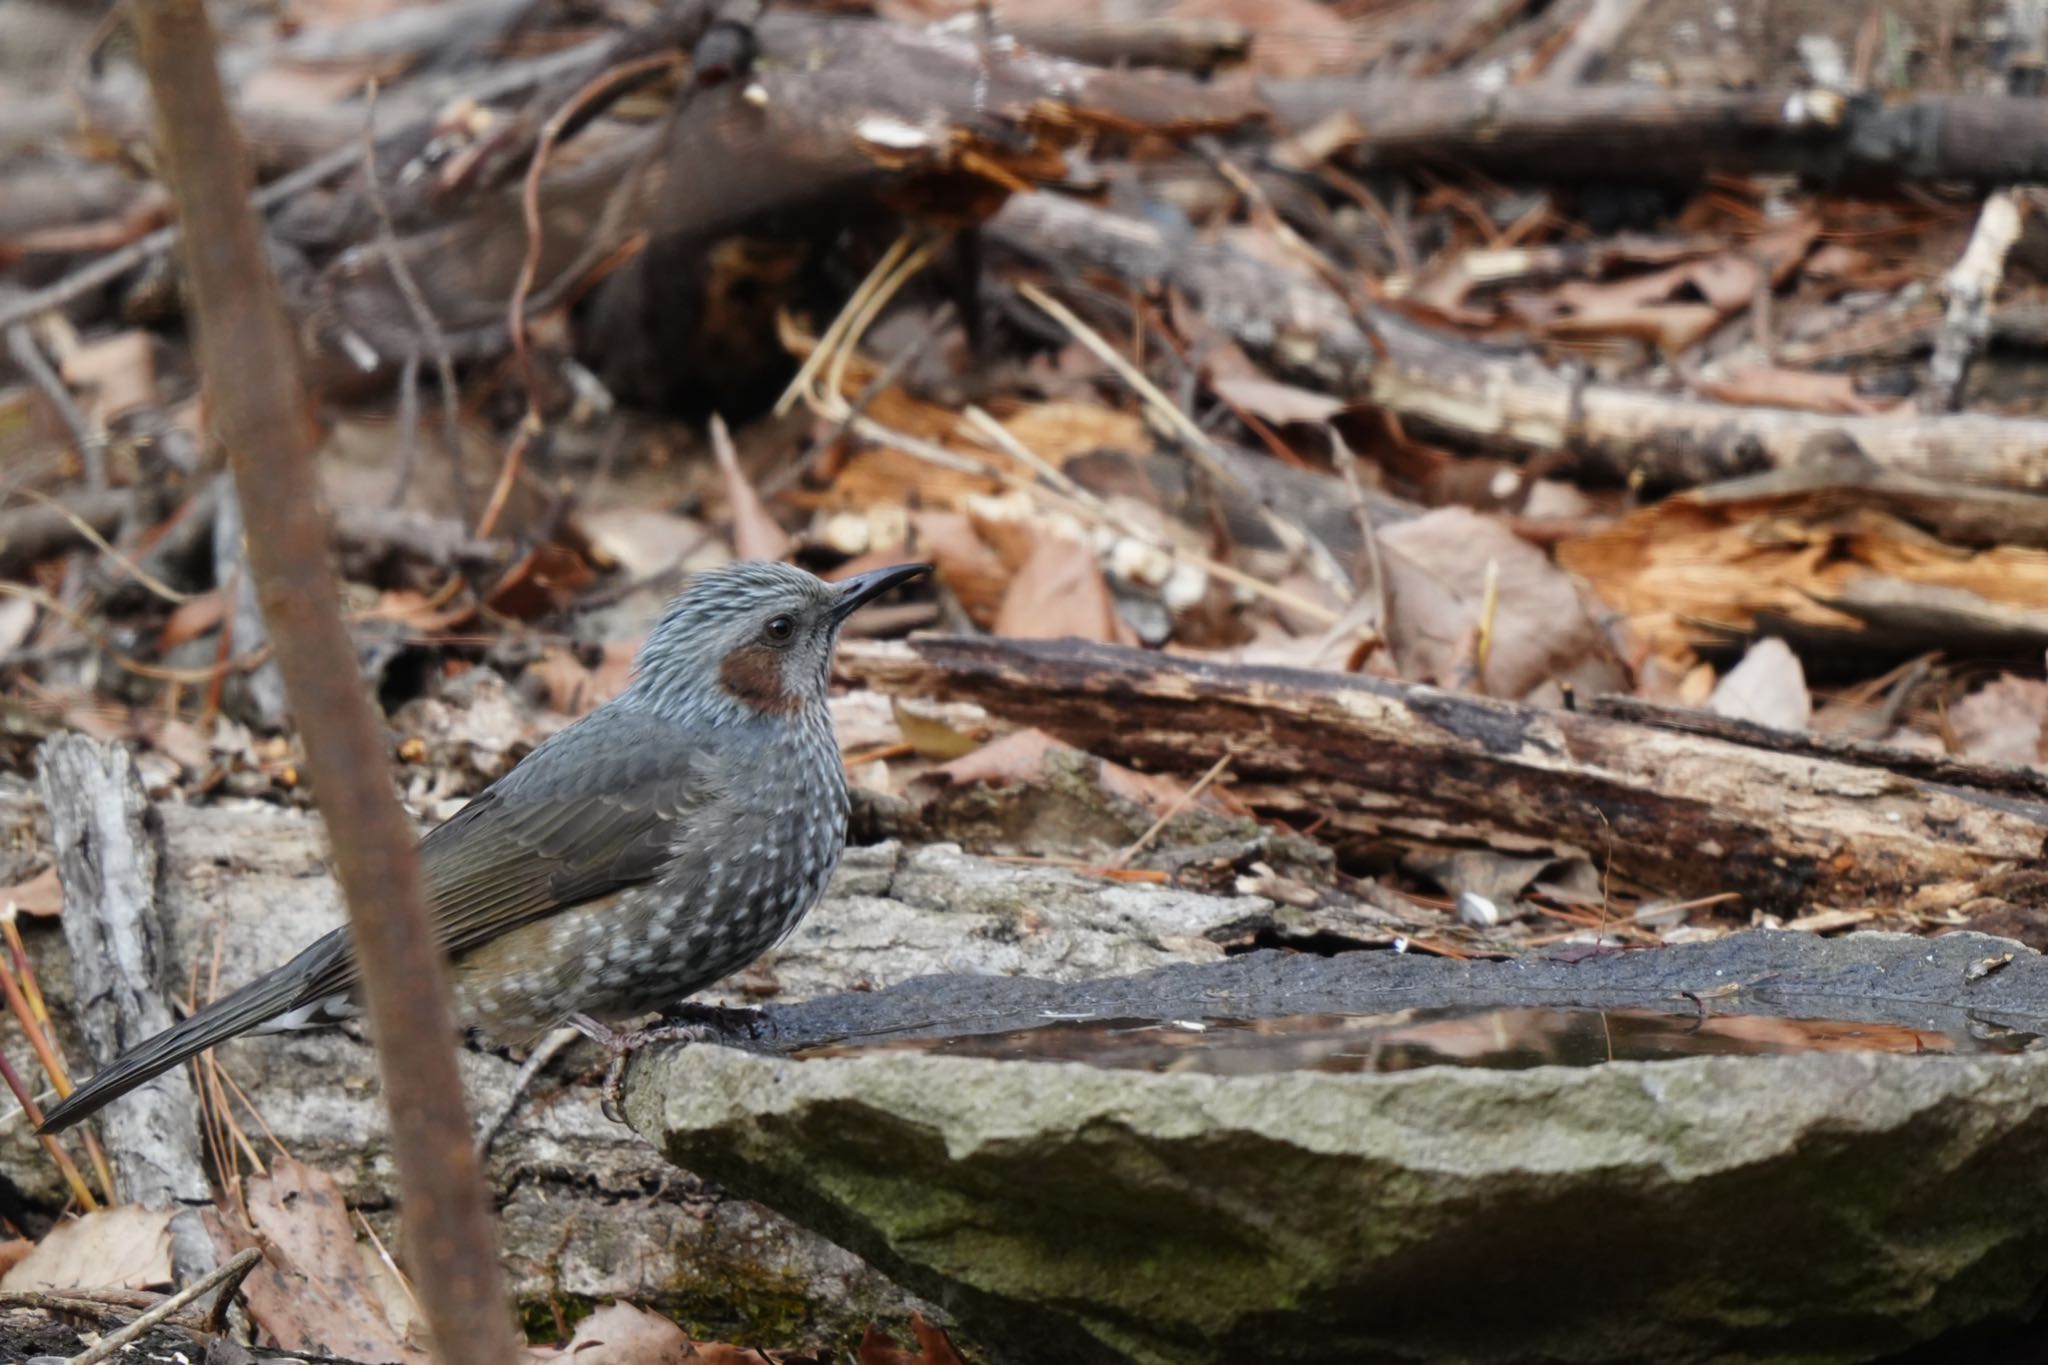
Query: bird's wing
x=597 y=808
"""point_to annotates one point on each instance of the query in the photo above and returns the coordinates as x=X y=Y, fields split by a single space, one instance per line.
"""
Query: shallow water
x=1503 y=1039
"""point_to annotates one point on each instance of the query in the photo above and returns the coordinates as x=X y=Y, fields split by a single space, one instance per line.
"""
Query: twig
x=34 y=1114
x=124 y=662
x=1297 y=542
x=800 y=386
x=416 y=304
x=835 y=374
x=1346 y=461
x=1591 y=42
x=247 y=350
x=1489 y=608
x=408 y=430
x=92 y=445
x=1089 y=509
x=529 y=198
x=1971 y=286
x=107 y=269
x=25 y=1001
x=1179 y=804
x=531 y=426
x=884 y=379
x=85 y=528
x=227 y=1277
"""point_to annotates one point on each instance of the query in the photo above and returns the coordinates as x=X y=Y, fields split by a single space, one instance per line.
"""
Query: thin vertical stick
x=248 y=358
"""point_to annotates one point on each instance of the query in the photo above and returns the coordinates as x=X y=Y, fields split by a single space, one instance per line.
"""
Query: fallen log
x=1506 y=401
x=1590 y=130
x=836 y=111
x=1785 y=824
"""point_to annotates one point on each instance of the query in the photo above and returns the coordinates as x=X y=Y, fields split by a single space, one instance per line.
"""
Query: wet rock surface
x=1838 y=1204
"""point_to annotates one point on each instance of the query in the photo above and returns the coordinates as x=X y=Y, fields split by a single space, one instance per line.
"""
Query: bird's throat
x=753 y=676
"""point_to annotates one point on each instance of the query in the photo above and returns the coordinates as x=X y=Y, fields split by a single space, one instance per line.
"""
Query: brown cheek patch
x=753 y=673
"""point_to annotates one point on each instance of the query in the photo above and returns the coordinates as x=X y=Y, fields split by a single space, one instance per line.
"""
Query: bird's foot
x=619 y=1044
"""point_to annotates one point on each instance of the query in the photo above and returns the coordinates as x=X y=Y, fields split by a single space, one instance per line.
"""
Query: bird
x=660 y=843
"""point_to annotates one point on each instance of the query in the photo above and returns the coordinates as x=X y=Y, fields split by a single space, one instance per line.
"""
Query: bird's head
x=751 y=638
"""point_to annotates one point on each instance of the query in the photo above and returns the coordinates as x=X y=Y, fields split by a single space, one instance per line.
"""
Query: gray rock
x=588 y=1209
x=1819 y=1206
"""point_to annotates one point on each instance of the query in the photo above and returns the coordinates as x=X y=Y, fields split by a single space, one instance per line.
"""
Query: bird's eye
x=779 y=628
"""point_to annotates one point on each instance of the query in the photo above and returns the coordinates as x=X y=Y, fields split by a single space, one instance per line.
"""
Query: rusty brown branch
x=248 y=356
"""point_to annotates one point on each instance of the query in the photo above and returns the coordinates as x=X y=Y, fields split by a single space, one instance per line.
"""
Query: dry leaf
x=17 y=619
x=311 y=1292
x=1059 y=592
x=966 y=565
x=545 y=580
x=118 y=374
x=933 y=1347
x=191 y=619
x=180 y=741
x=1016 y=757
x=574 y=688
x=939 y=730
x=1276 y=402
x=755 y=534
x=119 y=1248
x=1020 y=759
x=13 y=1252
x=621 y=1334
x=643 y=540
x=2005 y=721
x=1767 y=688
x=41 y=895
x=1436 y=569
x=1806 y=390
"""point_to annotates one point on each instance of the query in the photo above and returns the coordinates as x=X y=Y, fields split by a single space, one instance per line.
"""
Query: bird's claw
x=620 y=1046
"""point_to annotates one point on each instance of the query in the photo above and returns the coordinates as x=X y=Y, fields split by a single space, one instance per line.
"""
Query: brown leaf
x=546 y=580
x=312 y=1291
x=1436 y=569
x=1016 y=757
x=119 y=1248
x=13 y=1252
x=1806 y=390
x=574 y=688
x=192 y=618
x=645 y=540
x=755 y=534
x=1276 y=402
x=415 y=610
x=41 y=895
x=933 y=1347
x=621 y=1334
x=934 y=730
x=1059 y=592
x=966 y=565
x=180 y=741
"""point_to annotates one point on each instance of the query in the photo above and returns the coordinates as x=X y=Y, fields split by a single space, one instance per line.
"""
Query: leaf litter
x=1221 y=488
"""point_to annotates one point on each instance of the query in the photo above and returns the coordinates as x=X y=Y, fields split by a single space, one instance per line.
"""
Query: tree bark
x=1788 y=825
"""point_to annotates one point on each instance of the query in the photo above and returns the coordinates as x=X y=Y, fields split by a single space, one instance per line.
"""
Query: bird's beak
x=861 y=589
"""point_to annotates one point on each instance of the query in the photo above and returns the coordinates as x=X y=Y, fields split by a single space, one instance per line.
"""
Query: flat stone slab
x=1828 y=1205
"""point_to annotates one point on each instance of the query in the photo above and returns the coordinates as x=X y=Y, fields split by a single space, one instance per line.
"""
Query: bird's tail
x=258 y=1003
